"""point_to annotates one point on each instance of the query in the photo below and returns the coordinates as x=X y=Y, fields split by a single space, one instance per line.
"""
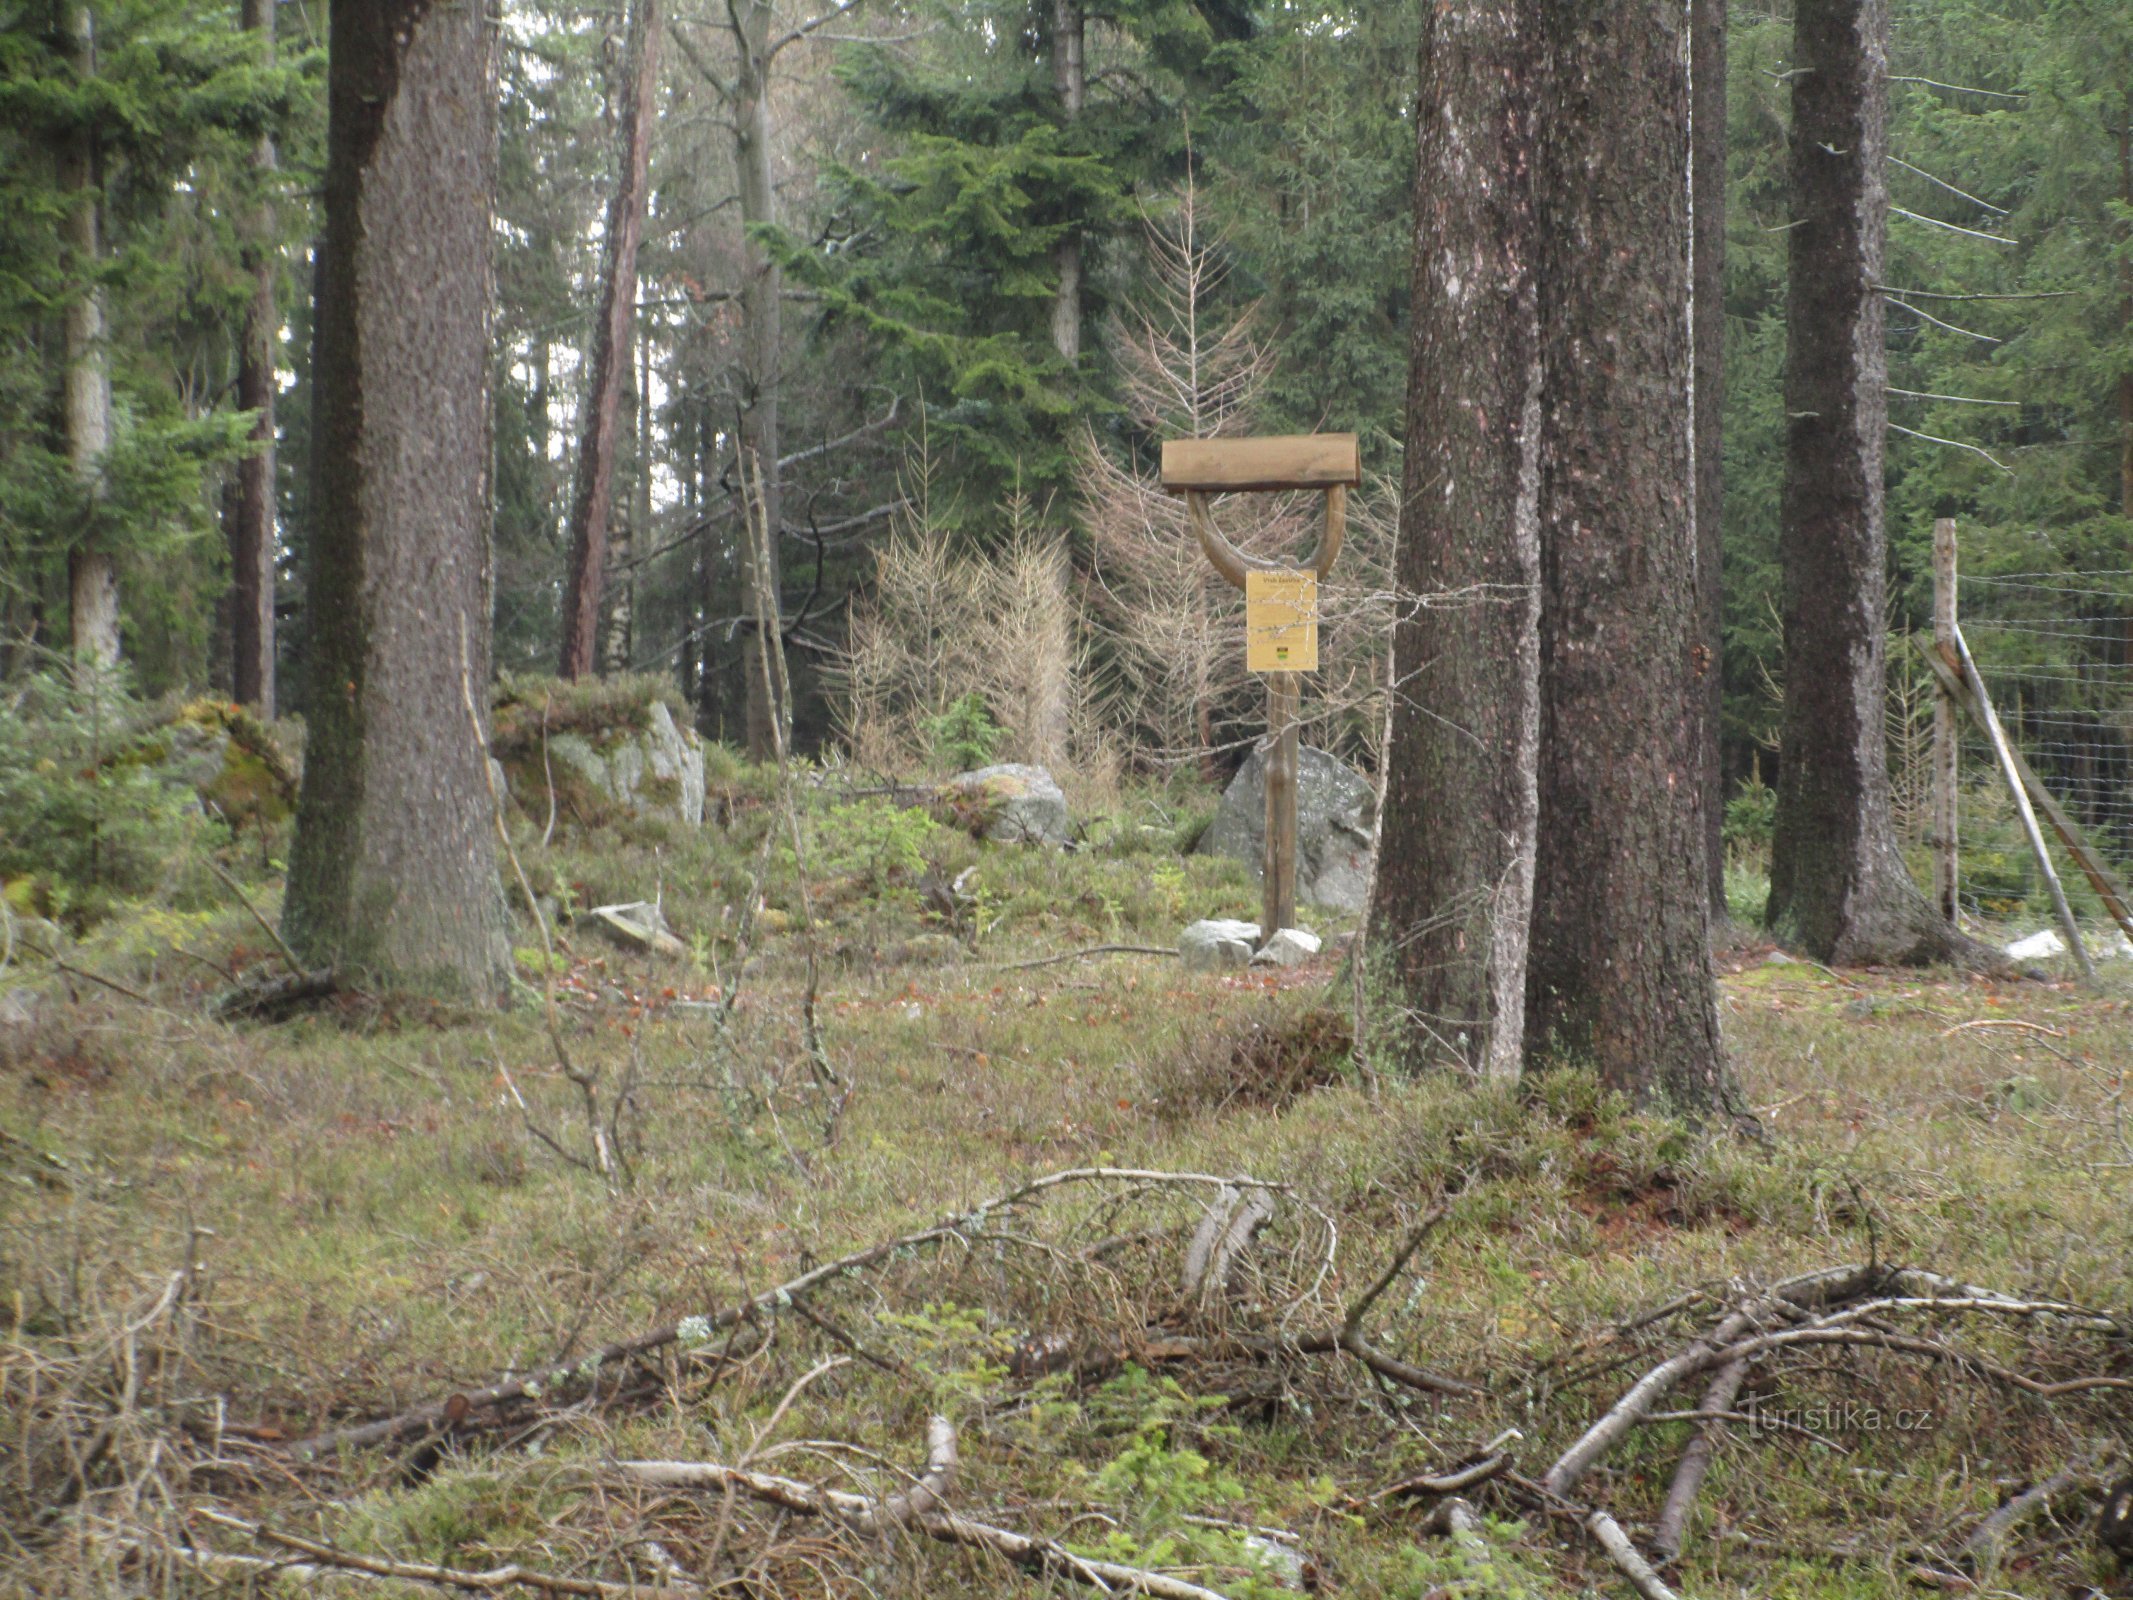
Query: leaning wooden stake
x=1959 y=662
x=2110 y=889
x=1946 y=752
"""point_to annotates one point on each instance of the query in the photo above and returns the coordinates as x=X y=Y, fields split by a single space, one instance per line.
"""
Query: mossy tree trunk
x=393 y=878
x=1839 y=887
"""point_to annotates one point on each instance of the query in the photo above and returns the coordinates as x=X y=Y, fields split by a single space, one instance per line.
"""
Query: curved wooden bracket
x=1233 y=563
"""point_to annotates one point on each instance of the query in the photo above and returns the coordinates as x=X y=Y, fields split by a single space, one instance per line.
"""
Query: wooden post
x=1947 y=753
x=1198 y=468
x=1277 y=905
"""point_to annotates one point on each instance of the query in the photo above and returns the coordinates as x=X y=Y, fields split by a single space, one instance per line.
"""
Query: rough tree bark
x=613 y=350
x=1619 y=974
x=1707 y=197
x=92 y=572
x=250 y=521
x=621 y=644
x=1070 y=80
x=762 y=342
x=393 y=876
x=1453 y=900
x=1839 y=888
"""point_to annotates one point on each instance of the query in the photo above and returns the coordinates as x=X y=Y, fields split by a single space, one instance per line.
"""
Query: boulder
x=636 y=759
x=1336 y=827
x=1290 y=947
x=1215 y=943
x=1011 y=804
x=226 y=756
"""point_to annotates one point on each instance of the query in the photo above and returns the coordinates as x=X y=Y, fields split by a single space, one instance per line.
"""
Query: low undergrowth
x=219 y=1241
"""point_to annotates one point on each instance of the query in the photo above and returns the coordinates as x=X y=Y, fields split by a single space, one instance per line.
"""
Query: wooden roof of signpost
x=1292 y=461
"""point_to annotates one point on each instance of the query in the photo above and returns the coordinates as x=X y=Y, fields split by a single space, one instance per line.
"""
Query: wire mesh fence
x=2055 y=650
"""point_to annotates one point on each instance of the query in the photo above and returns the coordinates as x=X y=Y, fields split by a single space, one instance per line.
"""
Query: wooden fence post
x=1277 y=903
x=1947 y=752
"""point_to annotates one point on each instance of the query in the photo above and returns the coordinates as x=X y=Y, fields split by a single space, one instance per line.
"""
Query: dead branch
x=1352 y=1323
x=1077 y=955
x=324 y=1559
x=1447 y=1483
x=1609 y=1535
x=1794 y=1294
x=1984 y=1541
x=695 y=1331
x=1695 y=1462
x=916 y=1508
x=296 y=967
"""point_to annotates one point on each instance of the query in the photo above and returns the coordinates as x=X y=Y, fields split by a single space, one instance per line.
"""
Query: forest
x=671 y=922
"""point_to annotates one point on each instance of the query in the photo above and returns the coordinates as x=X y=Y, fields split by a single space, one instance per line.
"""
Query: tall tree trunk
x=1070 y=79
x=92 y=572
x=393 y=876
x=762 y=346
x=622 y=590
x=250 y=523
x=1619 y=973
x=1707 y=197
x=1839 y=887
x=613 y=351
x=1452 y=905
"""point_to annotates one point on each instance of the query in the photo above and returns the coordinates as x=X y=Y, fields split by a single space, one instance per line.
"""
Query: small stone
x=1216 y=943
x=2039 y=946
x=1290 y=947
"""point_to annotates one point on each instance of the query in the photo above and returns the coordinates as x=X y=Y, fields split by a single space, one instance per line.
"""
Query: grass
x=370 y=1224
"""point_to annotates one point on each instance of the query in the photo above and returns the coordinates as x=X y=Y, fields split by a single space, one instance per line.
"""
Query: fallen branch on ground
x=1076 y=955
x=1984 y=1541
x=1838 y=1306
x=916 y=1509
x=324 y=1560
x=434 y=1416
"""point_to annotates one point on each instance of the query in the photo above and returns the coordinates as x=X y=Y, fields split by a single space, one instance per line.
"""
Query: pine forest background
x=966 y=503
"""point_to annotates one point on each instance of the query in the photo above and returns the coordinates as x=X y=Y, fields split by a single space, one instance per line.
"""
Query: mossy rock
x=227 y=756
x=605 y=748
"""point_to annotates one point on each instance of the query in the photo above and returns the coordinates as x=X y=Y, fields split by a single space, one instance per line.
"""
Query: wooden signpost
x=1280 y=603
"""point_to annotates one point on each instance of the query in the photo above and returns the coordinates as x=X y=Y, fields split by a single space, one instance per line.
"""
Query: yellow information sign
x=1280 y=621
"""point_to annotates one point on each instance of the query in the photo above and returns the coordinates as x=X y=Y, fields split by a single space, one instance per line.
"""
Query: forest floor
x=220 y=1240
